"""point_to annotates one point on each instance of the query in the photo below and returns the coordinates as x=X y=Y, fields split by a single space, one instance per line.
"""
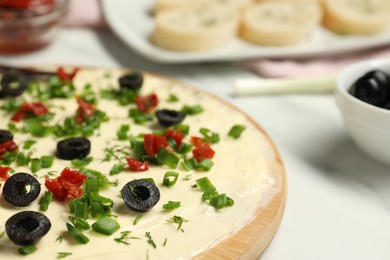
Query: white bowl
x=368 y=125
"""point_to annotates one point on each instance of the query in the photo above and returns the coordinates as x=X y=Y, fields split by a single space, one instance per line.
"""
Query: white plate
x=132 y=21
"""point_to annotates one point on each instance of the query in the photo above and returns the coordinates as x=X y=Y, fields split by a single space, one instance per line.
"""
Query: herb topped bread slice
x=279 y=23
x=365 y=17
x=194 y=29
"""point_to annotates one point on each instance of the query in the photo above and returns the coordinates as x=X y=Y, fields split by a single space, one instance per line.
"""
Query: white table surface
x=338 y=204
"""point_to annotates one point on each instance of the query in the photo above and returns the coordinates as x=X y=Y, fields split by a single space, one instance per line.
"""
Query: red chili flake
x=4 y=170
x=202 y=149
x=35 y=108
x=85 y=110
x=153 y=144
x=8 y=146
x=146 y=103
x=67 y=76
x=176 y=135
x=66 y=186
x=136 y=165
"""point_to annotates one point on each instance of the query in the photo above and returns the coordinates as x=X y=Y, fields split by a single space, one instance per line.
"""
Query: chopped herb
x=2 y=233
x=187 y=177
x=137 y=219
x=22 y=159
x=170 y=178
x=36 y=165
x=61 y=255
x=150 y=240
x=236 y=131
x=78 y=163
x=171 y=205
x=165 y=241
x=47 y=161
x=26 y=250
x=177 y=220
x=139 y=117
x=45 y=201
x=59 y=239
x=192 y=110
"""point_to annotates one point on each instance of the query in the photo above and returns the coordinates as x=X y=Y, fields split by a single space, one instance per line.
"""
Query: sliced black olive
x=27 y=227
x=131 y=81
x=13 y=83
x=140 y=195
x=21 y=189
x=5 y=136
x=169 y=118
x=372 y=88
x=73 y=148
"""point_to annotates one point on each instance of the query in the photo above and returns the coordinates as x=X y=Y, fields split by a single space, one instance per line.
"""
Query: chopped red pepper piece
x=66 y=186
x=85 y=110
x=146 y=103
x=202 y=149
x=136 y=165
x=35 y=108
x=176 y=135
x=4 y=170
x=8 y=146
x=67 y=76
x=153 y=144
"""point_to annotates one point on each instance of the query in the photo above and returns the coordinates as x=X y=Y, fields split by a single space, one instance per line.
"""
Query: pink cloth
x=85 y=13
x=311 y=67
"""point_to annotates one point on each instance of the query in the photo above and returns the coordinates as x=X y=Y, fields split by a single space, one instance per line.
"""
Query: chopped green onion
x=36 y=165
x=205 y=185
x=78 y=163
x=79 y=223
x=26 y=250
x=189 y=164
x=28 y=144
x=77 y=234
x=170 y=178
x=209 y=136
x=170 y=205
x=206 y=164
x=220 y=201
x=45 y=201
x=185 y=129
x=117 y=168
x=81 y=208
x=184 y=148
x=47 y=161
x=122 y=132
x=22 y=159
x=139 y=117
x=106 y=225
x=172 y=98
x=137 y=219
x=61 y=255
x=192 y=110
x=236 y=131
x=92 y=174
x=168 y=158
x=149 y=179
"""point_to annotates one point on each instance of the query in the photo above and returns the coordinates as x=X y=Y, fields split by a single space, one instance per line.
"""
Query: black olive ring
x=140 y=195
x=167 y=117
x=13 y=83
x=73 y=148
x=131 y=81
x=21 y=189
x=27 y=227
x=5 y=136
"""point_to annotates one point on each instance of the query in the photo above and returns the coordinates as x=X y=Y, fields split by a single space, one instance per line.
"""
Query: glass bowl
x=27 y=29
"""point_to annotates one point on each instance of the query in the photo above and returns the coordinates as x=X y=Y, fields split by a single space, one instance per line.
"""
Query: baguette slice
x=279 y=23
x=168 y=4
x=364 y=17
x=194 y=29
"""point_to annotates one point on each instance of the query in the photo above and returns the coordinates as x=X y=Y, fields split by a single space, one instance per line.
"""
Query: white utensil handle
x=324 y=84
